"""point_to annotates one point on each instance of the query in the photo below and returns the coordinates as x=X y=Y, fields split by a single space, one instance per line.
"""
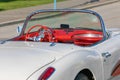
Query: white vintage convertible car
x=62 y=44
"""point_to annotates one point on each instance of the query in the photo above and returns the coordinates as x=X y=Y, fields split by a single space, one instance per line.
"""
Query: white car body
x=22 y=60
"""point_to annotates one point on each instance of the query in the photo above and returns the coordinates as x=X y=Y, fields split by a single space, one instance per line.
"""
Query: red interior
x=69 y=36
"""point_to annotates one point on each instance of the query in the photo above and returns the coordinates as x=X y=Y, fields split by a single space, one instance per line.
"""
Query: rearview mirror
x=19 y=29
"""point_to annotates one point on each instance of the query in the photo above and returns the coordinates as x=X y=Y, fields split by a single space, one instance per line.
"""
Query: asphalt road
x=8 y=32
x=110 y=14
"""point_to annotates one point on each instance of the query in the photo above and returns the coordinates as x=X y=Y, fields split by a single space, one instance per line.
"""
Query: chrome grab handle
x=106 y=54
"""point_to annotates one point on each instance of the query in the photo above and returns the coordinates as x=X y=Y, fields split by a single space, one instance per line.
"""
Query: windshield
x=60 y=26
x=71 y=19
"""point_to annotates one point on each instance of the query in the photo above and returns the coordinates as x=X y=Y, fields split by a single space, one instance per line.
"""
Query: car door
x=110 y=53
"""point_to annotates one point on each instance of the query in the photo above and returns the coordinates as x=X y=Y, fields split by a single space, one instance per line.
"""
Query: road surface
x=110 y=14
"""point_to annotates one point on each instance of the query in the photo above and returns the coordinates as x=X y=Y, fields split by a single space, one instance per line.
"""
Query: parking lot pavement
x=110 y=14
x=18 y=15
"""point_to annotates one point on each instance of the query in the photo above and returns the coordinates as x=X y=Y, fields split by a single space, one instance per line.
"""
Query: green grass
x=14 y=4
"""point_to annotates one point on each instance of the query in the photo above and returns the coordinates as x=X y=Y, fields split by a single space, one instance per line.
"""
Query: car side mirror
x=19 y=29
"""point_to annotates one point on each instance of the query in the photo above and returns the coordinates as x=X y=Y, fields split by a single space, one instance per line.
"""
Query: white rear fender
x=75 y=62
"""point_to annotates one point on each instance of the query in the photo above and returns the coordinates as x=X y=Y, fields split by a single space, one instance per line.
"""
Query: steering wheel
x=43 y=34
